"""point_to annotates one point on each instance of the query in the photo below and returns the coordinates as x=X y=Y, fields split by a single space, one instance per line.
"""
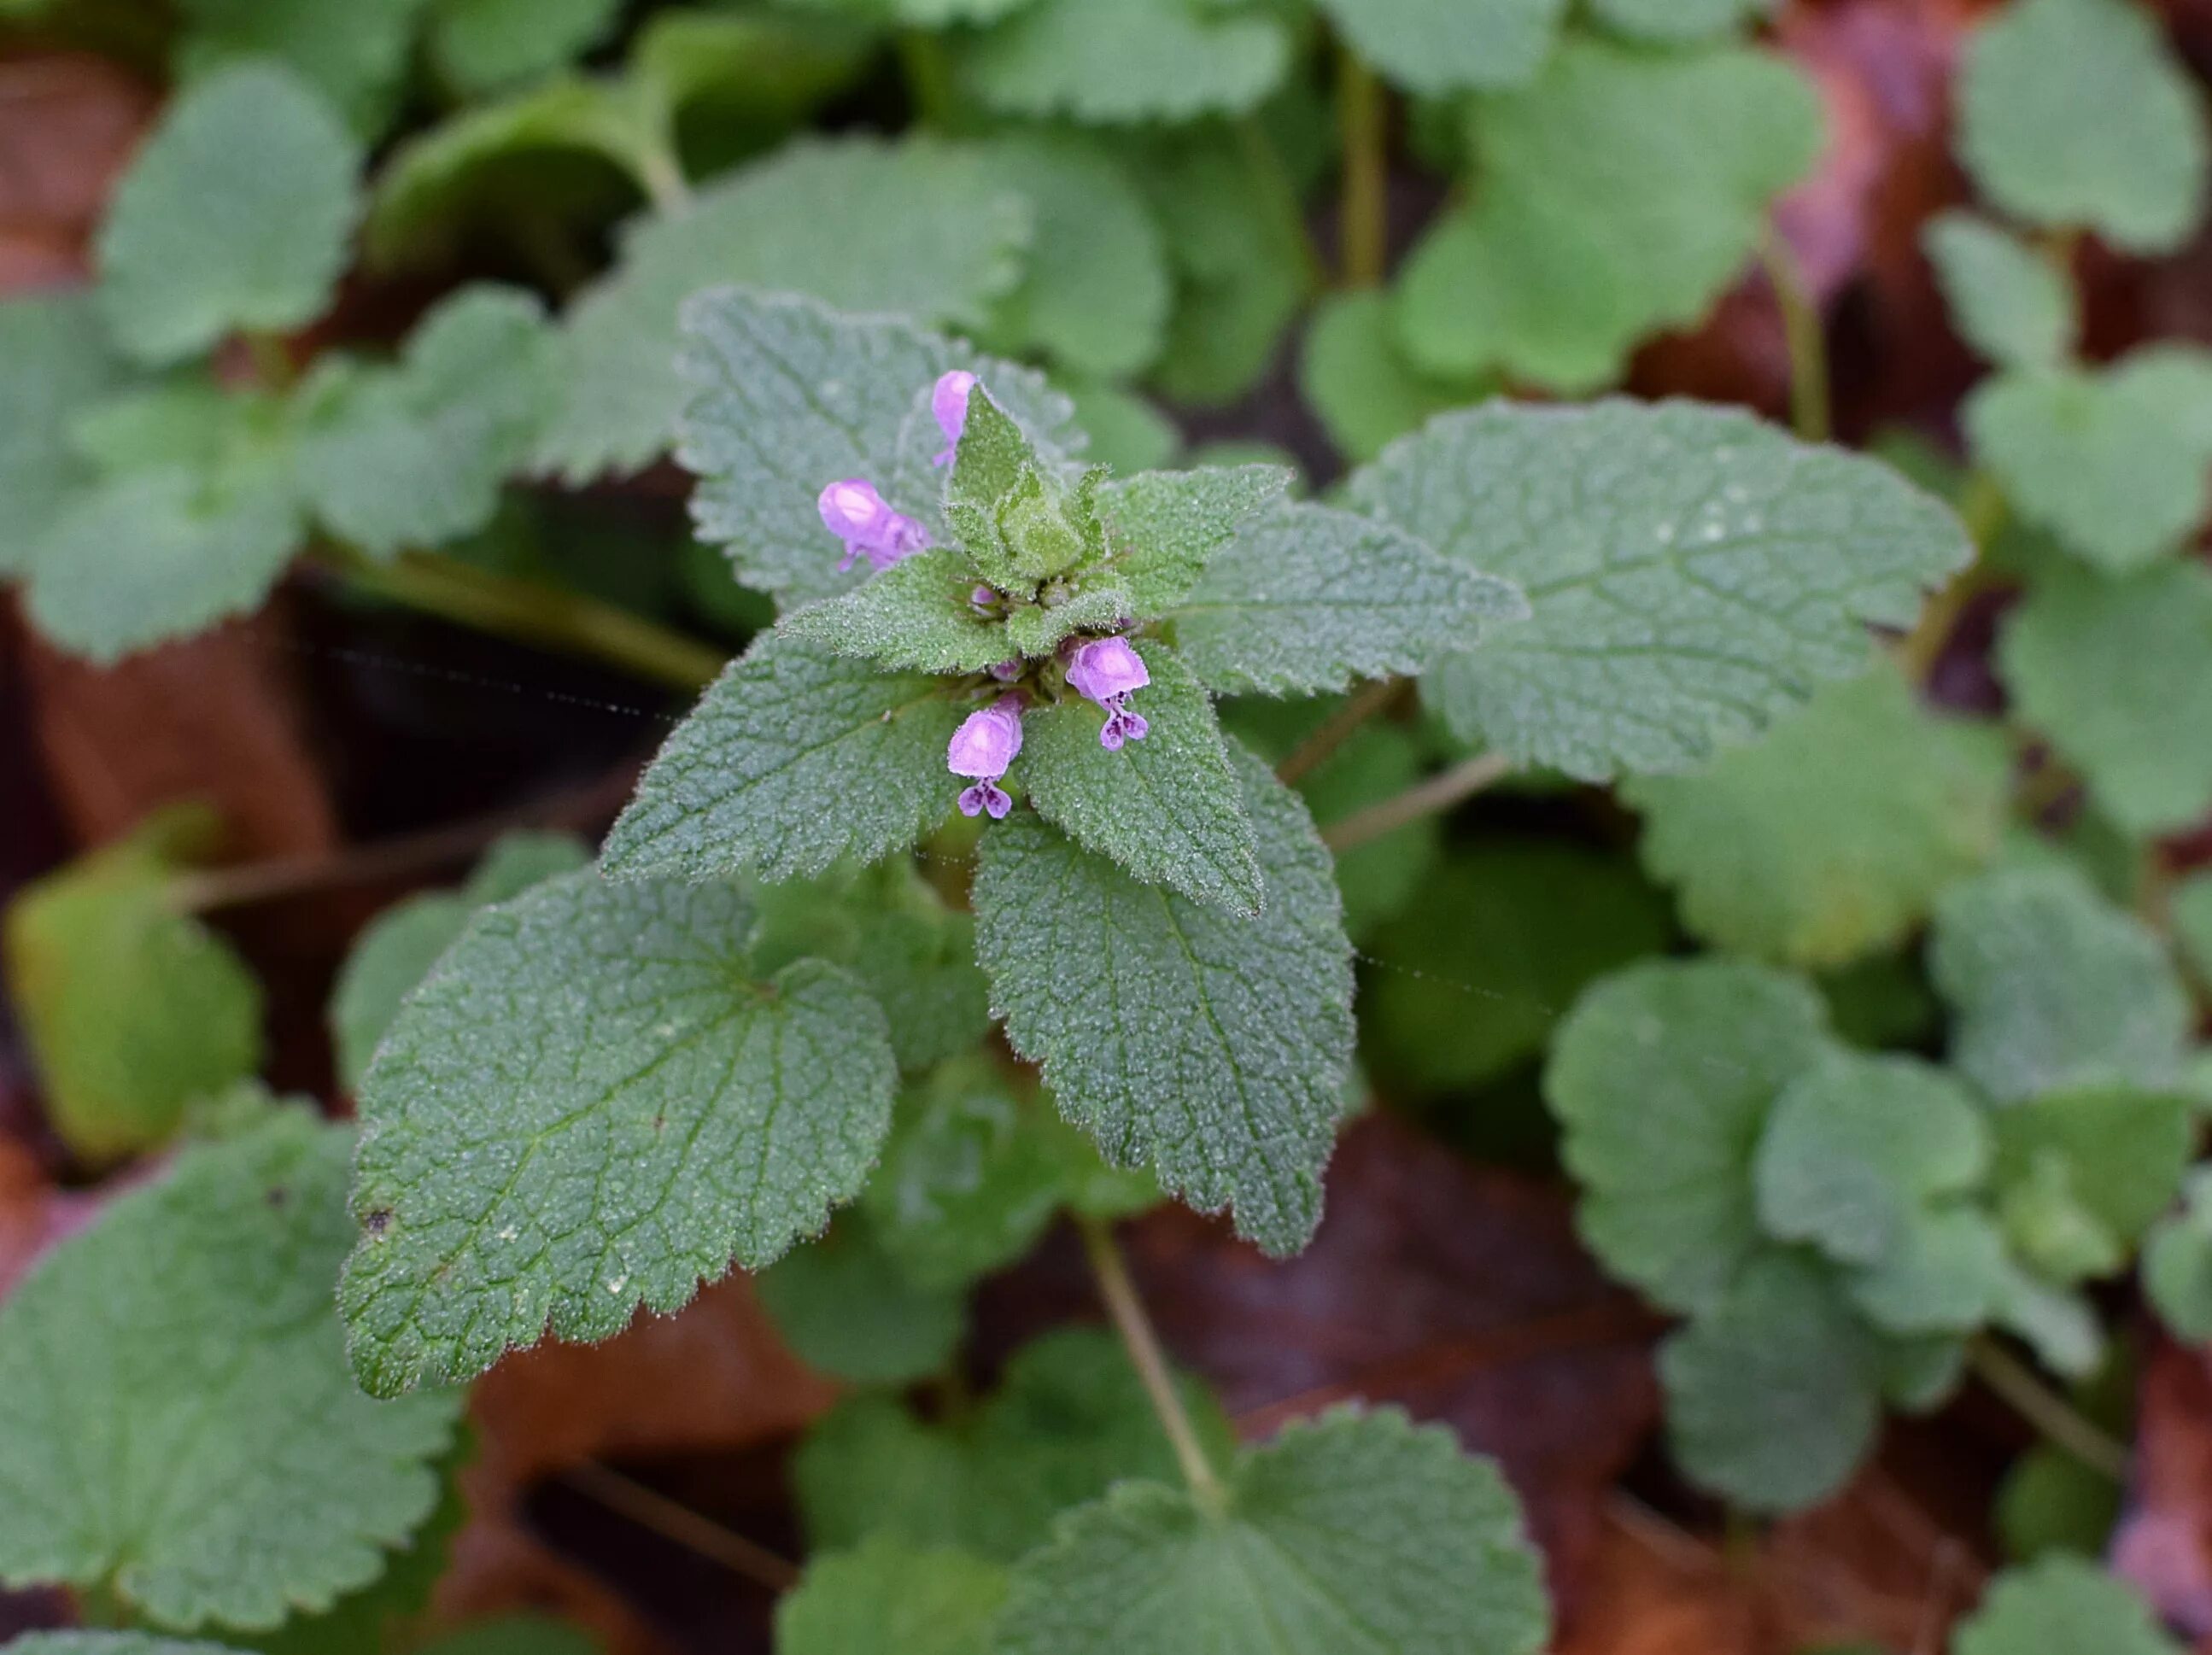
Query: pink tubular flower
x=949 y=401
x=1108 y=670
x=852 y=511
x=983 y=746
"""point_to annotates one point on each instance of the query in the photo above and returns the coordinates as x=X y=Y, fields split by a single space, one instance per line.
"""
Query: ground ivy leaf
x=1946 y=1273
x=2076 y=115
x=1166 y=526
x=2051 y=987
x=920 y=228
x=1310 y=599
x=788 y=397
x=1619 y=193
x=2111 y=460
x=1829 y=840
x=2006 y=300
x=2119 y=675
x=2057 y=1603
x=1435 y=48
x=55 y=363
x=1663 y=1076
x=1210 y=1047
x=1355 y=1531
x=793 y=758
x=483 y=45
x=1096 y=293
x=1170 y=808
x=1354 y=374
x=175 y=278
x=1774 y=1394
x=592 y=1104
x=1129 y=61
x=415 y=455
x=131 y=1007
x=396 y=951
x=2082 y=1173
x=181 y=1427
x=888 y=1595
x=847 y=1307
x=1693 y=573
x=1672 y=21
x=1857 y=1144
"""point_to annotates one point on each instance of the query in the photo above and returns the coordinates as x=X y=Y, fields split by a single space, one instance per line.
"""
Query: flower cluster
x=1104 y=670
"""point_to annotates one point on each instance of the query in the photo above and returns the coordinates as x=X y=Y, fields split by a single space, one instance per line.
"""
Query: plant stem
x=650 y=1509
x=530 y=613
x=661 y=176
x=1982 y=508
x=1337 y=728
x=1119 y=1294
x=1364 y=221
x=1273 y=178
x=1438 y=793
x=1806 y=335
x=2050 y=1414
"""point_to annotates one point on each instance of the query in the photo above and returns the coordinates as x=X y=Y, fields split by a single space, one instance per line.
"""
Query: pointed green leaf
x=2075 y=114
x=1829 y=840
x=887 y=1595
x=2007 y=302
x=593 y=1104
x=789 y=397
x=1663 y=1076
x=921 y=229
x=1211 y=1047
x=1166 y=526
x=916 y=614
x=1618 y=195
x=1693 y=573
x=2051 y=987
x=1132 y=60
x=175 y=278
x=2113 y=461
x=179 y=1423
x=1353 y=1532
x=1311 y=599
x=1440 y=46
x=2119 y=675
x=1168 y=808
x=792 y=758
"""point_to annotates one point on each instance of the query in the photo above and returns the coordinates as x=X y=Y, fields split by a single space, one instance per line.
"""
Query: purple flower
x=852 y=511
x=983 y=746
x=949 y=401
x=1108 y=670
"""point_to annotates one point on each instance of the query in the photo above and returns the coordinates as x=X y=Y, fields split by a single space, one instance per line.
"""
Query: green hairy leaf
x=2053 y=988
x=788 y=397
x=1693 y=573
x=1440 y=46
x=1311 y=599
x=793 y=758
x=1168 y=527
x=887 y=1595
x=2075 y=114
x=1617 y=195
x=55 y=363
x=355 y=55
x=1355 y=1531
x=175 y=278
x=2112 y=461
x=1172 y=809
x=594 y=1104
x=2119 y=675
x=181 y=1428
x=1830 y=838
x=1111 y=62
x=920 y=228
x=1209 y=1047
x=2057 y=1603
x=2008 y=303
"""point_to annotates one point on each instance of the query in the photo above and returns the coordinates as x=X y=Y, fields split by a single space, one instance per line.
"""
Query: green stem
x=530 y=614
x=1802 y=327
x=650 y=1509
x=2050 y=1414
x=661 y=175
x=1126 y=1309
x=1438 y=793
x=1982 y=509
x=1273 y=177
x=1364 y=212
x=1339 y=728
